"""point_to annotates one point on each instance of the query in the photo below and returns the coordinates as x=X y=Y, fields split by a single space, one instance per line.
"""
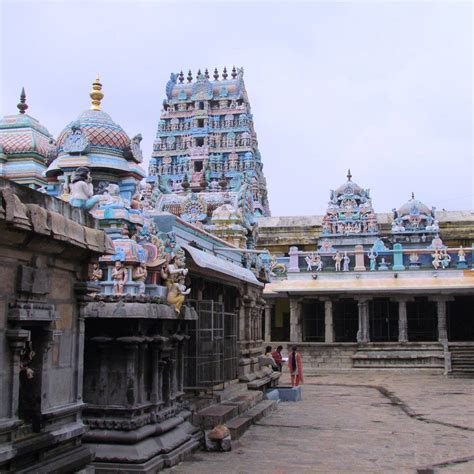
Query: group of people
x=295 y=365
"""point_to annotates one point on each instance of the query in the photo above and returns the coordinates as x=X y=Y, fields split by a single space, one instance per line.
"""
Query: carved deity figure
x=445 y=259
x=119 y=277
x=97 y=273
x=436 y=259
x=177 y=293
x=82 y=191
x=337 y=259
x=173 y=274
x=139 y=276
x=345 y=262
x=461 y=255
x=372 y=259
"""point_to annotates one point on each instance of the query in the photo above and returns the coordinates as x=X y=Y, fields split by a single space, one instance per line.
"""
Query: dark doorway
x=383 y=320
x=346 y=320
x=280 y=330
x=422 y=320
x=460 y=319
x=312 y=313
x=198 y=166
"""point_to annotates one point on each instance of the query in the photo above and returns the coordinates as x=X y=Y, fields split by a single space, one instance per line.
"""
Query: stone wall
x=45 y=247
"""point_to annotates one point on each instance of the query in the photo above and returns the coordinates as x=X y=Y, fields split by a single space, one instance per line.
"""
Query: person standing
x=277 y=357
x=296 y=367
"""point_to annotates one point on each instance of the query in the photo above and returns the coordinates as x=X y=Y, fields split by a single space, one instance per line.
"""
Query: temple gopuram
x=359 y=289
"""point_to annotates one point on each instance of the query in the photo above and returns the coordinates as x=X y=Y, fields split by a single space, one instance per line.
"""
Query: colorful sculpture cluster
x=349 y=211
x=350 y=239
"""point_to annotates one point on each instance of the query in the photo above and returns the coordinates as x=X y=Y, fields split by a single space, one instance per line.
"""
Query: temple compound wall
x=45 y=247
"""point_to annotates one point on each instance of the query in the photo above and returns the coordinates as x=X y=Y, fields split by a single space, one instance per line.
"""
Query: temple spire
x=412 y=195
x=22 y=105
x=349 y=176
x=96 y=94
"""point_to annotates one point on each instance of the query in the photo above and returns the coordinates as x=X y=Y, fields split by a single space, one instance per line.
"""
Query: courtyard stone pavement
x=358 y=422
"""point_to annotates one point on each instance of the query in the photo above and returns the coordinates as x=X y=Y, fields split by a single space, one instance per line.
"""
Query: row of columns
x=363 y=333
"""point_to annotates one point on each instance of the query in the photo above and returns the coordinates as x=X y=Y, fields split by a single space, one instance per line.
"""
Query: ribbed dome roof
x=414 y=206
x=349 y=187
x=103 y=134
x=21 y=134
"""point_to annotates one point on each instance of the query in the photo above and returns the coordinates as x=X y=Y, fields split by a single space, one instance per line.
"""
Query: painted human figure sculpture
x=318 y=262
x=445 y=259
x=461 y=255
x=436 y=259
x=337 y=259
x=372 y=259
x=119 y=276
x=345 y=262
x=139 y=276
x=174 y=274
x=82 y=191
x=97 y=273
x=176 y=294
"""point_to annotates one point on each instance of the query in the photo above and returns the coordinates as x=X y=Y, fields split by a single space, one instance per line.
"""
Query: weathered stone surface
x=346 y=423
x=215 y=415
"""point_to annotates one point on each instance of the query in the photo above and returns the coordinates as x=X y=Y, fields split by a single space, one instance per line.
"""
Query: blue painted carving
x=76 y=141
x=170 y=84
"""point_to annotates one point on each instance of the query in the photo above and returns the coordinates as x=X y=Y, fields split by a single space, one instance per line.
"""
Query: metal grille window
x=212 y=356
x=383 y=320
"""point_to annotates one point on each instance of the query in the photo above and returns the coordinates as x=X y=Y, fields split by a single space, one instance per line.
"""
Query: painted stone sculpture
x=97 y=273
x=82 y=191
x=119 y=276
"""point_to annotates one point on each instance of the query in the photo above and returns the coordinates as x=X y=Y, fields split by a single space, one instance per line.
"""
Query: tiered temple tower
x=206 y=145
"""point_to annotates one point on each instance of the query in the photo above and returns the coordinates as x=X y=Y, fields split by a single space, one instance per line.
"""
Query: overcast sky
x=382 y=88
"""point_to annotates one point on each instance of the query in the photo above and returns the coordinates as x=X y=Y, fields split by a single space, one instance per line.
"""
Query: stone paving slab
x=358 y=423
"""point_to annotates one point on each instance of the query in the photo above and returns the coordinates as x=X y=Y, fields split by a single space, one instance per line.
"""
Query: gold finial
x=96 y=94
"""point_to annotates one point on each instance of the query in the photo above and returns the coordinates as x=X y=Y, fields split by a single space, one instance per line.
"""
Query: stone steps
x=238 y=413
x=238 y=425
x=462 y=359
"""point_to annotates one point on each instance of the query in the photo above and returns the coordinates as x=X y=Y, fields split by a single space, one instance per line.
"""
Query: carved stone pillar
x=268 y=321
x=131 y=353
x=402 y=321
x=363 y=334
x=441 y=312
x=155 y=395
x=295 y=323
x=80 y=359
x=16 y=339
x=328 y=322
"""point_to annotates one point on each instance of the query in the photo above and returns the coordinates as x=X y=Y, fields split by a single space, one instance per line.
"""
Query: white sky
x=379 y=87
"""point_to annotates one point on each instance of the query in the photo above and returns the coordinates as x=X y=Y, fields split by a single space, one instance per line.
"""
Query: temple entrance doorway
x=312 y=313
x=383 y=320
x=460 y=319
x=422 y=320
x=280 y=330
x=346 y=320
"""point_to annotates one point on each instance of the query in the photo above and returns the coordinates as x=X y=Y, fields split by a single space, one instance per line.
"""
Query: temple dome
x=414 y=206
x=94 y=140
x=22 y=134
x=349 y=187
x=103 y=134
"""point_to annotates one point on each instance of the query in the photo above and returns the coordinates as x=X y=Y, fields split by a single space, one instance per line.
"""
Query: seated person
x=277 y=357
